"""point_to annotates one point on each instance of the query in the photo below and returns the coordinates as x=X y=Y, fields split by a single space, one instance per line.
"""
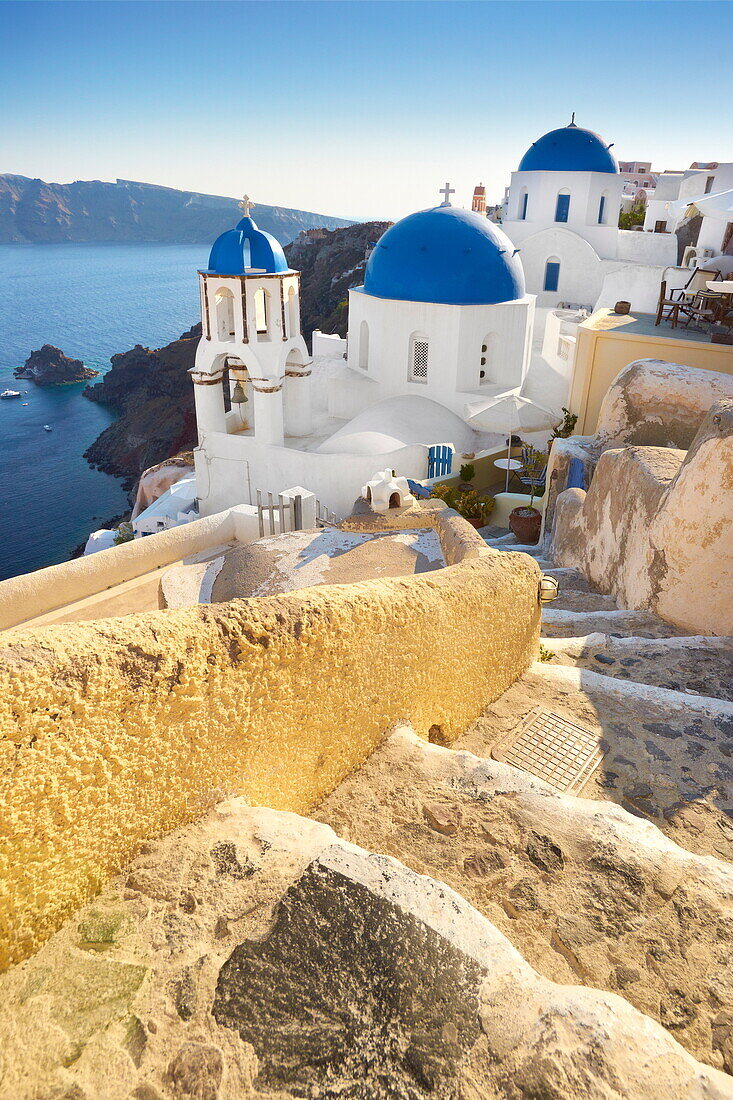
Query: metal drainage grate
x=553 y=749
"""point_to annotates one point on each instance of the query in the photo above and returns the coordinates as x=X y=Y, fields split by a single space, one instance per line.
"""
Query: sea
x=92 y=301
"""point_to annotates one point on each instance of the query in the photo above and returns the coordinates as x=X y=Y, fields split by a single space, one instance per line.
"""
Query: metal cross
x=446 y=192
x=246 y=205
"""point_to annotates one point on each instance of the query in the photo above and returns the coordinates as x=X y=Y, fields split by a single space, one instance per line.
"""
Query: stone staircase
x=444 y=924
x=594 y=888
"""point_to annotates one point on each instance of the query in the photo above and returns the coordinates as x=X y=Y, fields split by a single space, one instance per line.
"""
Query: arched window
x=602 y=209
x=364 y=345
x=562 y=206
x=293 y=326
x=261 y=311
x=418 y=358
x=552 y=274
x=247 y=254
x=224 y=314
x=523 y=199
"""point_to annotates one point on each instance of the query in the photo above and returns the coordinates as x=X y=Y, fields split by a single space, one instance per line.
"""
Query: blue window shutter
x=552 y=275
x=563 y=208
x=601 y=209
x=523 y=215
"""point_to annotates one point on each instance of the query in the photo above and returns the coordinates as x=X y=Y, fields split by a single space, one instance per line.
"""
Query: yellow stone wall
x=606 y=344
x=117 y=730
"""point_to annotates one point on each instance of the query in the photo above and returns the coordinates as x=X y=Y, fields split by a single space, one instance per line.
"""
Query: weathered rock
x=587 y=893
x=50 y=367
x=340 y=973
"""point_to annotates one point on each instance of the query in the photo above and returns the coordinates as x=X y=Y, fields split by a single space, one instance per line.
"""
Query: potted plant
x=469 y=504
x=468 y=472
x=476 y=509
x=526 y=521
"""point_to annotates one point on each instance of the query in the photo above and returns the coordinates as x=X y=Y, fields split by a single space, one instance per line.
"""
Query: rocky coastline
x=48 y=366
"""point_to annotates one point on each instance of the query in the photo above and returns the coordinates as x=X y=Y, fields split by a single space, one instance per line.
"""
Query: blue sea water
x=90 y=300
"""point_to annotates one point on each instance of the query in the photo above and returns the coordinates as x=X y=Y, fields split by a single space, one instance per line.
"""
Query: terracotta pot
x=475 y=522
x=525 y=523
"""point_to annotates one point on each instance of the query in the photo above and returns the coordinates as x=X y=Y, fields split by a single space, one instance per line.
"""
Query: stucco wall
x=32 y=594
x=231 y=468
x=120 y=730
x=653 y=530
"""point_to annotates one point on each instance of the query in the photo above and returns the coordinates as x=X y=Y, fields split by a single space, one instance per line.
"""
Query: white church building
x=442 y=321
x=562 y=210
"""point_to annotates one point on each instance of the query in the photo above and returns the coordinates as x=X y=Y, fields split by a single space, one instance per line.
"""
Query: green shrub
x=468 y=471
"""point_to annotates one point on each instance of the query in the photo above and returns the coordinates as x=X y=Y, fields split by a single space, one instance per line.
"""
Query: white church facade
x=562 y=210
x=441 y=321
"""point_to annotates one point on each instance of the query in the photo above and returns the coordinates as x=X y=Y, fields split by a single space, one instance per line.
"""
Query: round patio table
x=508 y=463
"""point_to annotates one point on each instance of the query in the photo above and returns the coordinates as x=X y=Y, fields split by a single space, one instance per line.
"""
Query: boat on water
x=47 y=428
x=7 y=394
x=25 y=403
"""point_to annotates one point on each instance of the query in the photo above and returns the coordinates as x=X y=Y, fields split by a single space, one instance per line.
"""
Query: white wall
x=647 y=248
x=230 y=469
x=581 y=275
x=456 y=335
x=639 y=285
x=585 y=190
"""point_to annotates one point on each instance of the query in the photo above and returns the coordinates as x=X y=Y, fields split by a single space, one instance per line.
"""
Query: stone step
x=569 y=578
x=694 y=665
x=667 y=755
x=583 y=889
x=572 y=600
x=557 y=623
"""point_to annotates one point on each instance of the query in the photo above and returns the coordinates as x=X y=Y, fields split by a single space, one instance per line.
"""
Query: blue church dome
x=445 y=255
x=238 y=250
x=569 y=149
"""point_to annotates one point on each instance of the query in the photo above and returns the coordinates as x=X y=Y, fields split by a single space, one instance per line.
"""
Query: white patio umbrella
x=518 y=412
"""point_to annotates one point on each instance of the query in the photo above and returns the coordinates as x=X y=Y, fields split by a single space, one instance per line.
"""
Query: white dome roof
x=398 y=422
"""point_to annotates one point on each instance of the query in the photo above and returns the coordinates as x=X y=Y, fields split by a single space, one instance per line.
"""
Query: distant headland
x=33 y=211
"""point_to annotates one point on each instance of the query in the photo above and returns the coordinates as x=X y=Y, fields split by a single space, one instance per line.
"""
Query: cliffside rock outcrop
x=152 y=392
x=90 y=210
x=330 y=262
x=50 y=367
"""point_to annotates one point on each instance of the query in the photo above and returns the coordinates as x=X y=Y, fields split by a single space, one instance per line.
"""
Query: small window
x=552 y=275
x=562 y=208
x=523 y=207
x=709 y=184
x=602 y=210
x=660 y=227
x=419 y=372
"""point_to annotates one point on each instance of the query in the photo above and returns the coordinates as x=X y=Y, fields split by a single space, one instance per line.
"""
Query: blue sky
x=361 y=109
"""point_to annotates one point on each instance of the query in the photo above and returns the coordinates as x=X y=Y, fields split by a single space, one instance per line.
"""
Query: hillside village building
x=442 y=320
x=562 y=211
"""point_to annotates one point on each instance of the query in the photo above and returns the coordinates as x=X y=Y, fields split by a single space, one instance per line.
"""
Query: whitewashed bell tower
x=251 y=341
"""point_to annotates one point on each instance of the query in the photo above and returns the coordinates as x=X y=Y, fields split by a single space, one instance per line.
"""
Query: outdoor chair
x=527 y=480
x=671 y=304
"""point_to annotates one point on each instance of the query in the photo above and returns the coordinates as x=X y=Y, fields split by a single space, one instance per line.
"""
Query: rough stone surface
x=589 y=894
x=667 y=755
x=650 y=532
x=337 y=973
x=697 y=665
x=119 y=729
